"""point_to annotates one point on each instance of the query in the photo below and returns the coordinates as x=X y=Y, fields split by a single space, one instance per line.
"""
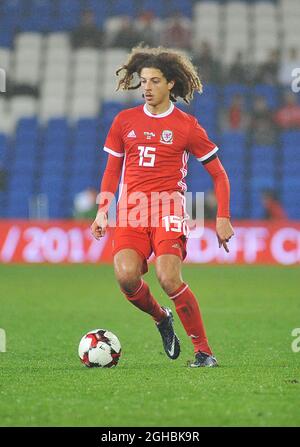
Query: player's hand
x=98 y=227
x=224 y=232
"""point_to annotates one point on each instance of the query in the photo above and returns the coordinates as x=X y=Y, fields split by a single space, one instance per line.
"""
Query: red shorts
x=145 y=240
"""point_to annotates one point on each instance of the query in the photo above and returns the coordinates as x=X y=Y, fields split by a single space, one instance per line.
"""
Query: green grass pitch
x=249 y=313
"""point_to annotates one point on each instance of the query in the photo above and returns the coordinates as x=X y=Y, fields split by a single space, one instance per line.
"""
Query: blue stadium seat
x=290 y=152
x=291 y=183
x=24 y=140
x=84 y=163
x=204 y=106
x=52 y=167
x=6 y=33
x=199 y=182
x=82 y=151
x=187 y=108
x=267 y=181
x=23 y=166
x=256 y=207
x=293 y=212
x=109 y=110
x=57 y=126
x=291 y=167
x=11 y=16
x=12 y=7
x=87 y=126
x=3 y=148
x=185 y=7
x=263 y=159
x=38 y=16
x=234 y=168
x=79 y=183
x=87 y=131
x=27 y=126
x=233 y=139
x=158 y=8
x=25 y=148
x=237 y=204
x=232 y=157
x=235 y=89
x=269 y=92
x=17 y=210
x=68 y=14
x=55 y=151
x=266 y=152
x=290 y=197
x=290 y=138
x=123 y=7
x=52 y=185
x=261 y=167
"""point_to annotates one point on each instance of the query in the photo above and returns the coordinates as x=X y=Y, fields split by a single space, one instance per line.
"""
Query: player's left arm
x=205 y=151
x=220 y=179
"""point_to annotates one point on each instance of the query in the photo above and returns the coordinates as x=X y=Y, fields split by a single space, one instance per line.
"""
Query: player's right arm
x=109 y=186
x=111 y=177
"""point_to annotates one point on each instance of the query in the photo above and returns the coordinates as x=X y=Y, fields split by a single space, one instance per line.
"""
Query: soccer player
x=149 y=144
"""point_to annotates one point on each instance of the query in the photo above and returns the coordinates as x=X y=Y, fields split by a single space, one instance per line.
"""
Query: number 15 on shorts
x=176 y=224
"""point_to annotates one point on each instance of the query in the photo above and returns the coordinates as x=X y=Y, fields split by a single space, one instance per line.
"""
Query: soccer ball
x=99 y=348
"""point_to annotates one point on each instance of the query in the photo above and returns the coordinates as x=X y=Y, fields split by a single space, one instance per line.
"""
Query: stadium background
x=60 y=99
x=59 y=102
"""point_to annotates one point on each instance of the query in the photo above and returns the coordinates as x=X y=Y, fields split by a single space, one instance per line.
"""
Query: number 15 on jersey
x=147 y=156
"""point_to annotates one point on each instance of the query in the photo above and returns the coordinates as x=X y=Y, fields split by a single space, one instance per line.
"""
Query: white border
x=159 y=115
x=116 y=154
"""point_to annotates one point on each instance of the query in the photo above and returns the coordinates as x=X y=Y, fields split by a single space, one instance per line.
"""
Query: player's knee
x=168 y=281
x=128 y=277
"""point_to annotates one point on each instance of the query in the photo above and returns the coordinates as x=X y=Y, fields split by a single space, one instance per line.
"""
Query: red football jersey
x=156 y=148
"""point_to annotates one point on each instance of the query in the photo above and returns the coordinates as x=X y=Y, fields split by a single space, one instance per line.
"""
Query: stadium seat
x=263 y=157
x=123 y=7
x=3 y=146
x=267 y=181
x=56 y=41
x=269 y=92
x=22 y=106
x=52 y=107
x=233 y=143
x=101 y=9
x=208 y=100
x=5 y=58
x=7 y=30
x=69 y=13
x=290 y=138
x=185 y=7
x=206 y=29
x=27 y=126
x=52 y=167
x=235 y=89
x=290 y=167
x=83 y=151
x=86 y=126
x=84 y=107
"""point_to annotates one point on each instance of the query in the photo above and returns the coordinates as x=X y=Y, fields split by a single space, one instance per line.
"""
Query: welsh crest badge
x=166 y=137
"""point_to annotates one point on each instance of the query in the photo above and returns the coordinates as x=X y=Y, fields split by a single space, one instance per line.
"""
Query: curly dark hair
x=174 y=65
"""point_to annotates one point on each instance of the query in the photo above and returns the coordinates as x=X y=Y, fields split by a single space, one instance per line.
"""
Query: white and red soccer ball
x=99 y=348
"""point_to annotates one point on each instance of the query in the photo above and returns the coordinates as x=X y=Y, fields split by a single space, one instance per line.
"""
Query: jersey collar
x=160 y=115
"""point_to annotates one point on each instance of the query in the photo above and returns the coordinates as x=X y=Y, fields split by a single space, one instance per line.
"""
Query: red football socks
x=143 y=299
x=188 y=310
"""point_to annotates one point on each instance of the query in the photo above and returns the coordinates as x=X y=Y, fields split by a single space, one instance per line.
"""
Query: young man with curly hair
x=150 y=144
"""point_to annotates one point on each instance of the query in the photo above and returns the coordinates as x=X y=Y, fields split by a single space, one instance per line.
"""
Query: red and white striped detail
x=179 y=293
x=183 y=170
x=110 y=151
x=205 y=157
